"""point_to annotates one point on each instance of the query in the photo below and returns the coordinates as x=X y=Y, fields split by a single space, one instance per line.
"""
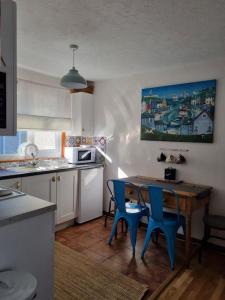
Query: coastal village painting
x=179 y=113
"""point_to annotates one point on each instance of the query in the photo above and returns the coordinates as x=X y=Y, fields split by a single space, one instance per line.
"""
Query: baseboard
x=64 y=225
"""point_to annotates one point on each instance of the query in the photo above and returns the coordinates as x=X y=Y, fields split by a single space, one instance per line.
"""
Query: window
x=10 y=144
x=48 y=143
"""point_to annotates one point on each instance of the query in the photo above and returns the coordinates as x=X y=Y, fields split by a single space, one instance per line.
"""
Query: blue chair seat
x=134 y=208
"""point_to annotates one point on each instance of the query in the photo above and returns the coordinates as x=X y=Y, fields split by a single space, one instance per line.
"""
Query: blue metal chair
x=109 y=213
x=131 y=212
x=166 y=222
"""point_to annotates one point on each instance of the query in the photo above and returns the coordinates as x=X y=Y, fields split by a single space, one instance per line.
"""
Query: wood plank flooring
x=91 y=239
x=201 y=281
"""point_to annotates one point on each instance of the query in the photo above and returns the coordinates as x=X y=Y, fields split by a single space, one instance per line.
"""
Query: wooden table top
x=181 y=188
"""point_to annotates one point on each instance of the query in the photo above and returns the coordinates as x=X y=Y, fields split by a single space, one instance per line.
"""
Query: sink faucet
x=34 y=162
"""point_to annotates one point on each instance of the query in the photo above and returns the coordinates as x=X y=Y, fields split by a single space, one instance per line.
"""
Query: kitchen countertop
x=24 y=206
x=19 y=208
x=10 y=173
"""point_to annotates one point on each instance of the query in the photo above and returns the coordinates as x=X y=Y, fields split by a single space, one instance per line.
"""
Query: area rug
x=78 y=277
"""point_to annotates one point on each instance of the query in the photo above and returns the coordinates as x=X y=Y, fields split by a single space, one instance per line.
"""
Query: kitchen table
x=191 y=197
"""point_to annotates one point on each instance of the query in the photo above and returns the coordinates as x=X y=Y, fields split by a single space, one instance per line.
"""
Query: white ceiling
x=118 y=37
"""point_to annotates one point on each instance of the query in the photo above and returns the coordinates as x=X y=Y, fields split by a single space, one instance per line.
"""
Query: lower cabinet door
x=66 y=196
x=13 y=183
x=41 y=186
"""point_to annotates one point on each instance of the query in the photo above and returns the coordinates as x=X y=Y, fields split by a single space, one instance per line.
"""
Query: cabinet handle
x=53 y=179
x=58 y=178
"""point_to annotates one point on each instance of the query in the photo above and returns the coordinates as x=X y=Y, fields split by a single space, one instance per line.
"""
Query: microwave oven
x=80 y=155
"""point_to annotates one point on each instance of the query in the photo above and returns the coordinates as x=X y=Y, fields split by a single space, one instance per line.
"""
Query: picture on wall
x=179 y=113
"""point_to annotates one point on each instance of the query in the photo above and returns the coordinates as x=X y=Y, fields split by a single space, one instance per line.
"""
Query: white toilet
x=17 y=285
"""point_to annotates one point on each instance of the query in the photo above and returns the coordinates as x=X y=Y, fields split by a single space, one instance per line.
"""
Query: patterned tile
x=99 y=140
x=89 y=140
x=75 y=141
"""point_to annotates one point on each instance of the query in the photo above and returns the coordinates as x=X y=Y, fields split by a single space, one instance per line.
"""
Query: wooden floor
x=200 y=282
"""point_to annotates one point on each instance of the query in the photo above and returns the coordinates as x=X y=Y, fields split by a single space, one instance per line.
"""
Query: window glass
x=10 y=144
x=48 y=142
x=45 y=140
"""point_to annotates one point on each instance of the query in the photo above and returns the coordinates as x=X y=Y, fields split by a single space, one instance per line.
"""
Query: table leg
x=188 y=240
x=207 y=208
x=206 y=232
x=206 y=228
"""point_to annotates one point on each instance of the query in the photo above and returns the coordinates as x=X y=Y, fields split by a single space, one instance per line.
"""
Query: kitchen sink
x=27 y=169
x=41 y=166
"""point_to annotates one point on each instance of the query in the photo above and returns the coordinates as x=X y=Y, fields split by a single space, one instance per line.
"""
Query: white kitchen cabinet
x=82 y=114
x=8 y=66
x=41 y=186
x=66 y=196
x=12 y=183
x=59 y=188
x=90 y=201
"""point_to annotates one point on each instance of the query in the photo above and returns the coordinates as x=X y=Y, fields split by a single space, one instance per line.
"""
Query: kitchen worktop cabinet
x=41 y=186
x=59 y=188
x=66 y=192
x=82 y=114
x=8 y=67
x=12 y=183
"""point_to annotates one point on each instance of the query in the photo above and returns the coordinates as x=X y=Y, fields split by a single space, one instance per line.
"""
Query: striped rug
x=77 y=277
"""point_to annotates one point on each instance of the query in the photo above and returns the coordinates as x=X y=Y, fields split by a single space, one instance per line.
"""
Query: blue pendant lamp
x=73 y=79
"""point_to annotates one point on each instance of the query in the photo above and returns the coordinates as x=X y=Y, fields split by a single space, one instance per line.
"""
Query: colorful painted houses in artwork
x=201 y=124
x=187 y=113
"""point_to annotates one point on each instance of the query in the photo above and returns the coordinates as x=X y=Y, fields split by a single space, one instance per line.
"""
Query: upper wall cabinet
x=82 y=114
x=8 y=77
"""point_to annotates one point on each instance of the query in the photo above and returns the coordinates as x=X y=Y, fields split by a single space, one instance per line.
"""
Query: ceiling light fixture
x=73 y=80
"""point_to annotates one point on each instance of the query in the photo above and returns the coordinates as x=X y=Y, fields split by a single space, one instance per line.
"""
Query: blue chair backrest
x=119 y=194
x=156 y=202
x=156 y=195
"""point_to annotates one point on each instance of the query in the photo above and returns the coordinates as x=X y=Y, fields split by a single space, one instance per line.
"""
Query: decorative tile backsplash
x=98 y=141
x=76 y=141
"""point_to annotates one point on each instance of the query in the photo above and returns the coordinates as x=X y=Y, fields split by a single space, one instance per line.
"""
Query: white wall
x=118 y=114
x=37 y=77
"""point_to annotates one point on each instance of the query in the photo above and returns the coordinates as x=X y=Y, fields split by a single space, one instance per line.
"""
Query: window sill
x=14 y=158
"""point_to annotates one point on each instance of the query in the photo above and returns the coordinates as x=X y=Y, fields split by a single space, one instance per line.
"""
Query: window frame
x=51 y=153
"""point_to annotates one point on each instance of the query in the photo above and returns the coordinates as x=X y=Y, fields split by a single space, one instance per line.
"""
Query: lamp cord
x=73 y=57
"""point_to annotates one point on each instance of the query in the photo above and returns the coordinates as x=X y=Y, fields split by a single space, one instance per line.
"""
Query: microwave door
x=84 y=155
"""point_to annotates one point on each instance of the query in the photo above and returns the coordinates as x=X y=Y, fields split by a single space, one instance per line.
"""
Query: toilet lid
x=16 y=285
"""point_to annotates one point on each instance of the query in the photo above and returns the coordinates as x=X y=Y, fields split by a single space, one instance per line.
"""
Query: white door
x=66 y=196
x=12 y=183
x=90 y=194
x=41 y=186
